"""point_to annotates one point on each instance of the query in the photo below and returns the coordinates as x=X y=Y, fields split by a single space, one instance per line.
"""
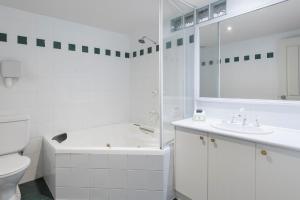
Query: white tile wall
x=59 y=89
x=112 y=177
x=99 y=194
x=137 y=179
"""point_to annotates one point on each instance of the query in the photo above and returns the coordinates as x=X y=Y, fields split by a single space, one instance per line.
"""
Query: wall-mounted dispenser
x=10 y=72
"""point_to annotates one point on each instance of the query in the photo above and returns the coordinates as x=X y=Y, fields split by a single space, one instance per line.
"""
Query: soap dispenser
x=10 y=72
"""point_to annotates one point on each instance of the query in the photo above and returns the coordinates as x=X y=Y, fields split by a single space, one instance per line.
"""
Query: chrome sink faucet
x=240 y=118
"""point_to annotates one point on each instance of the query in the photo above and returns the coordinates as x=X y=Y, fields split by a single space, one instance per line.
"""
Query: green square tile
x=72 y=47
x=257 y=56
x=127 y=55
x=141 y=52
x=134 y=54
x=169 y=45
x=22 y=40
x=180 y=42
x=118 y=54
x=40 y=43
x=191 y=39
x=107 y=52
x=97 y=50
x=270 y=55
x=56 y=45
x=157 y=47
x=85 y=49
x=3 y=37
x=149 y=50
x=227 y=60
x=246 y=58
x=236 y=59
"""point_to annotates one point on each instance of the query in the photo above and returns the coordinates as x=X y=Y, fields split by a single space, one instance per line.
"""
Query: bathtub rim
x=59 y=148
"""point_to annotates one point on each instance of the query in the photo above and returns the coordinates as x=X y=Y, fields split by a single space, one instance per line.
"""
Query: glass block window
x=177 y=24
x=202 y=14
x=189 y=19
x=218 y=9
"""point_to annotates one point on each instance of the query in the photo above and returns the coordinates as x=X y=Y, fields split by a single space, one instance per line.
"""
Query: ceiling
x=123 y=16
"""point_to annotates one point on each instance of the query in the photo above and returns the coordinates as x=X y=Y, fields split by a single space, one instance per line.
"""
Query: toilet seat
x=12 y=164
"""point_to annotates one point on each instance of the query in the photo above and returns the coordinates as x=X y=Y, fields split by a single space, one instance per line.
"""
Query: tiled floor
x=35 y=190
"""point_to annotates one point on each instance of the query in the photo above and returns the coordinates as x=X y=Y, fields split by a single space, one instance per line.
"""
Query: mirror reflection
x=257 y=60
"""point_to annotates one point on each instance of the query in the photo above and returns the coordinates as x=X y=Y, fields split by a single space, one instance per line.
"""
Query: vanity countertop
x=281 y=137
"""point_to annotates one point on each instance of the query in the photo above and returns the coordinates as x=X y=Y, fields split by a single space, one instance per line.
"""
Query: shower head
x=143 y=41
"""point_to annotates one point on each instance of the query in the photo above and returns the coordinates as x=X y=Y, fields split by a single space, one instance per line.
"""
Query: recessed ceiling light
x=229 y=28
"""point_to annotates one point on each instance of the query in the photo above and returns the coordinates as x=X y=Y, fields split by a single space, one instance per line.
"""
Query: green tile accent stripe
x=246 y=58
x=40 y=43
x=72 y=47
x=96 y=50
x=3 y=37
x=22 y=40
x=85 y=49
x=56 y=45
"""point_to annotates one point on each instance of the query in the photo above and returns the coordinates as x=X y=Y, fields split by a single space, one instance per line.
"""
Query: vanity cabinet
x=231 y=169
x=191 y=164
x=277 y=174
x=213 y=168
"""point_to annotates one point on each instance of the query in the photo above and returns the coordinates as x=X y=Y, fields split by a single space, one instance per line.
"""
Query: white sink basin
x=238 y=128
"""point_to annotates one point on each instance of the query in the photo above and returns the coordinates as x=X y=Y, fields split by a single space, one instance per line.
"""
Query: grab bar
x=146 y=129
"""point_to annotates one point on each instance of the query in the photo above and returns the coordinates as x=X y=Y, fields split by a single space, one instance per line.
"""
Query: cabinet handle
x=213 y=140
x=264 y=152
x=201 y=138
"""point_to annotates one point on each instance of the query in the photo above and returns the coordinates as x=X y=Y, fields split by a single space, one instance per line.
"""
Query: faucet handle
x=257 y=122
x=245 y=120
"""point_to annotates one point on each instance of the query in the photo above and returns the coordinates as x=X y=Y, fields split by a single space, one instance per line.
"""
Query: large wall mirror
x=253 y=56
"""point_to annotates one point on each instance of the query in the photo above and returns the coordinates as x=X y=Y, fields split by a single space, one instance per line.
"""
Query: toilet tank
x=14 y=133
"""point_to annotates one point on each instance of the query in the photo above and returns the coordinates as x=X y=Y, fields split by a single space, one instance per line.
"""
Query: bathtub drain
x=108 y=145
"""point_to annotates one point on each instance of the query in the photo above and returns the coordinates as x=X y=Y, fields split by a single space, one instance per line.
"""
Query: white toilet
x=14 y=136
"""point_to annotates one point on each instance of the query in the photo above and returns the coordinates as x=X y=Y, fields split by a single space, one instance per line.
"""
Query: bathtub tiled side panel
x=49 y=165
x=111 y=176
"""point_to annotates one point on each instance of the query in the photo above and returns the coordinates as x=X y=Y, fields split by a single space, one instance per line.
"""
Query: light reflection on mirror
x=209 y=65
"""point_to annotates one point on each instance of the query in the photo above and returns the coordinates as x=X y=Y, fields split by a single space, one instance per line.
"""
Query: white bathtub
x=116 y=162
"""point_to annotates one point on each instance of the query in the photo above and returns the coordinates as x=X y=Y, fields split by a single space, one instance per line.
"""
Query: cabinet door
x=231 y=169
x=191 y=164
x=277 y=174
